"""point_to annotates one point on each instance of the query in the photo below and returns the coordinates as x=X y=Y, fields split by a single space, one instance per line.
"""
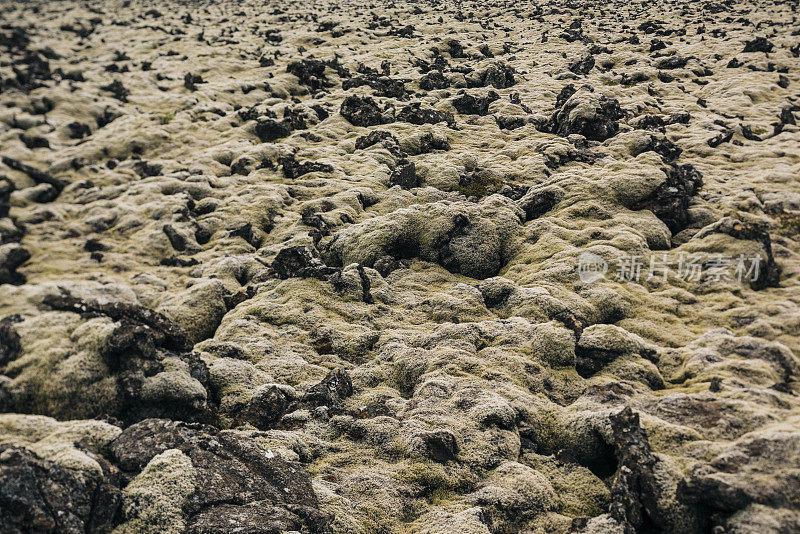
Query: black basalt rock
x=415 y=114
x=38 y=176
x=293 y=169
x=759 y=44
x=635 y=492
x=300 y=261
x=238 y=483
x=334 y=388
x=6 y=188
x=177 y=240
x=405 y=176
x=265 y=408
x=433 y=80
x=670 y=201
x=594 y=117
x=379 y=137
x=470 y=105
x=582 y=66
x=362 y=111
x=310 y=72
x=41 y=496
x=12 y=256
x=382 y=85
x=10 y=346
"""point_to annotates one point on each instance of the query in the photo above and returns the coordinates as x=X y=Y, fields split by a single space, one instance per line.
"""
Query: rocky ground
x=322 y=267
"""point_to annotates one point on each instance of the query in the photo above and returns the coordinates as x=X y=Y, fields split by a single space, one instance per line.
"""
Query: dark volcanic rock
x=440 y=445
x=293 y=169
x=132 y=354
x=635 y=491
x=174 y=337
x=469 y=105
x=723 y=137
x=9 y=232
x=416 y=114
x=649 y=122
x=30 y=71
x=670 y=202
x=769 y=272
x=177 y=241
x=135 y=350
x=145 y=169
x=537 y=202
x=362 y=111
x=247 y=233
x=359 y=286
x=265 y=408
x=759 y=44
x=78 y=130
x=671 y=62
x=662 y=146
x=383 y=85
x=499 y=76
x=34 y=141
x=510 y=122
x=681 y=117
x=140 y=443
x=300 y=261
x=333 y=389
x=239 y=486
x=433 y=80
x=6 y=188
x=12 y=256
x=656 y=45
x=582 y=66
x=40 y=496
x=385 y=139
x=404 y=31
x=387 y=265
x=310 y=72
x=190 y=81
x=10 y=347
x=40 y=177
x=585 y=113
x=565 y=94
x=429 y=142
x=257 y=516
x=405 y=176
x=269 y=130
x=116 y=88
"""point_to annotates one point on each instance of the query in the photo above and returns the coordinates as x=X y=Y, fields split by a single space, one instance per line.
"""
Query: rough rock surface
x=232 y=483
x=434 y=267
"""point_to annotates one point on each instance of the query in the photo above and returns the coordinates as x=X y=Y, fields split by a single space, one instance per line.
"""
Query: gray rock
x=238 y=485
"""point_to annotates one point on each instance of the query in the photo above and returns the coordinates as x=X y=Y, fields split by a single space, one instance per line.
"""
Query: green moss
x=374 y=521
x=155 y=499
x=480 y=186
x=438 y=482
x=580 y=493
x=440 y=496
x=788 y=224
x=404 y=379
